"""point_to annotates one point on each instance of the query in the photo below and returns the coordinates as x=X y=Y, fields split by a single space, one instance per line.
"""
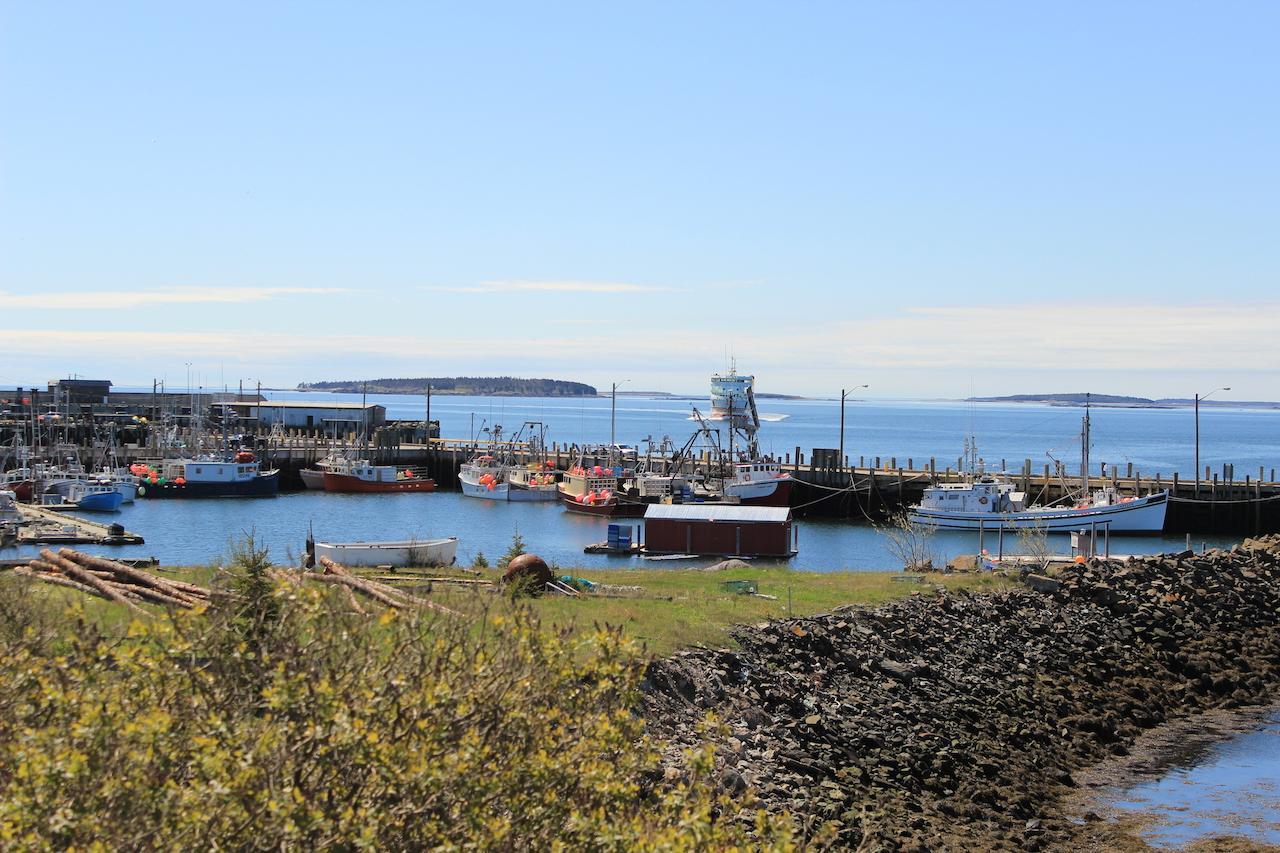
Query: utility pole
x=843 y=395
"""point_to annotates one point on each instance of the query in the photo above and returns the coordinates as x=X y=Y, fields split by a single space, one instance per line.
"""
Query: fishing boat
x=991 y=502
x=494 y=474
x=20 y=481
x=536 y=482
x=9 y=507
x=597 y=490
x=758 y=482
x=313 y=478
x=226 y=475
x=411 y=552
x=92 y=497
x=361 y=475
x=484 y=476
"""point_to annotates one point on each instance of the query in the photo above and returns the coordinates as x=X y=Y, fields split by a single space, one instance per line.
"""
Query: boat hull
x=520 y=494
x=351 y=484
x=312 y=478
x=100 y=502
x=481 y=490
x=430 y=552
x=264 y=485
x=23 y=490
x=1141 y=516
x=775 y=492
x=127 y=490
x=612 y=508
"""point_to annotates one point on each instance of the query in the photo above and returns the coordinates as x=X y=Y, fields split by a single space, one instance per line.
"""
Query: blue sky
x=933 y=198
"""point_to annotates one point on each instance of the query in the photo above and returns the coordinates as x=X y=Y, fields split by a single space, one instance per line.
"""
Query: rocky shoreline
x=956 y=721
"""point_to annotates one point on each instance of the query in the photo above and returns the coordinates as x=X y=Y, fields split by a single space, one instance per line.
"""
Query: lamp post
x=843 y=394
x=1200 y=397
x=613 y=414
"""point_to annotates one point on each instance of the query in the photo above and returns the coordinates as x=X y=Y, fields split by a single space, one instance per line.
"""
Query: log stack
x=112 y=580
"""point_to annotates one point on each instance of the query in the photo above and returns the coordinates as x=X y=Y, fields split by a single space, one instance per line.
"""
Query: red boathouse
x=719 y=529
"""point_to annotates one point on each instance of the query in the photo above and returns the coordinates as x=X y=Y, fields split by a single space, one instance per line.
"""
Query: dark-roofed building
x=80 y=392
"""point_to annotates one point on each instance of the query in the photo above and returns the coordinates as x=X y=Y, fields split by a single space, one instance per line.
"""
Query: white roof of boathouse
x=719 y=512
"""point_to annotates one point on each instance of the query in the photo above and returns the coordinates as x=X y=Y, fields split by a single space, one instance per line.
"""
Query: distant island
x=473 y=386
x=1121 y=401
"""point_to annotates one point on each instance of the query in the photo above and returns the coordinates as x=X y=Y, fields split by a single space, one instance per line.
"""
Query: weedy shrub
x=515 y=550
x=285 y=721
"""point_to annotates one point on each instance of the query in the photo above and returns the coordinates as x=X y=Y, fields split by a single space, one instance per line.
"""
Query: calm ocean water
x=1155 y=440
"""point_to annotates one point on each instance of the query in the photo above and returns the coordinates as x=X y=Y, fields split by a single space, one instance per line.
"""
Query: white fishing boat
x=992 y=503
x=495 y=475
x=987 y=502
x=484 y=476
x=402 y=554
x=758 y=482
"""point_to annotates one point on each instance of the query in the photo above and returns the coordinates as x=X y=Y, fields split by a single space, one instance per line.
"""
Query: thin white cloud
x=553 y=287
x=933 y=343
x=126 y=299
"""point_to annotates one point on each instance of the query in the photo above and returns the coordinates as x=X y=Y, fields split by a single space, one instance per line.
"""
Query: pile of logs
x=337 y=575
x=111 y=580
x=131 y=587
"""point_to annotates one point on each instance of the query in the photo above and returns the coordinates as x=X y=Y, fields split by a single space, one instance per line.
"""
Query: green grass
x=678 y=608
x=673 y=608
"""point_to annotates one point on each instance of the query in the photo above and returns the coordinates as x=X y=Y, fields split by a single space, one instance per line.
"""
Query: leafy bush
x=291 y=723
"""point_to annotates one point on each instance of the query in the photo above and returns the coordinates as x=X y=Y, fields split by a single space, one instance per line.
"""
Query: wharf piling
x=872 y=490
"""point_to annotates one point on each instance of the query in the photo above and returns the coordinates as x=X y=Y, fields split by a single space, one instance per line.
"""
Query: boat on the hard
x=221 y=475
x=403 y=553
x=362 y=476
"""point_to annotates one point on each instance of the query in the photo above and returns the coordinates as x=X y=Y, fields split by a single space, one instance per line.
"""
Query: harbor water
x=1154 y=440
x=187 y=532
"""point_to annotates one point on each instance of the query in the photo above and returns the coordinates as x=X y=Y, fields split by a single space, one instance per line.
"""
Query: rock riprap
x=955 y=721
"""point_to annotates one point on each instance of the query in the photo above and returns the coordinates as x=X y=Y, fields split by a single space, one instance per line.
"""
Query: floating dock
x=43 y=526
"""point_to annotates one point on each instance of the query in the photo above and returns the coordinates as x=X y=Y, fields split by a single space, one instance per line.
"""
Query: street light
x=1200 y=397
x=843 y=394
x=613 y=414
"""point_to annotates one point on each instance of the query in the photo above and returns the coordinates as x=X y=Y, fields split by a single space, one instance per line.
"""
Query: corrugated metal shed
x=730 y=530
x=718 y=512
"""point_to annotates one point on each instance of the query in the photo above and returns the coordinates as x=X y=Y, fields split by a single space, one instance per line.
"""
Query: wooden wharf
x=872 y=488
x=45 y=526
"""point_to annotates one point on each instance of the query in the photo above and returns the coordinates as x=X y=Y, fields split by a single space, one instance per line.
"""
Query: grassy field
x=666 y=609
x=676 y=608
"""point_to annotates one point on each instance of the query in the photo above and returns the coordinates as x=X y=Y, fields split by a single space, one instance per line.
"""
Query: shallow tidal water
x=1208 y=787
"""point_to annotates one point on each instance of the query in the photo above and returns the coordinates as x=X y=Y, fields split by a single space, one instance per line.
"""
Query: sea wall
x=954 y=721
